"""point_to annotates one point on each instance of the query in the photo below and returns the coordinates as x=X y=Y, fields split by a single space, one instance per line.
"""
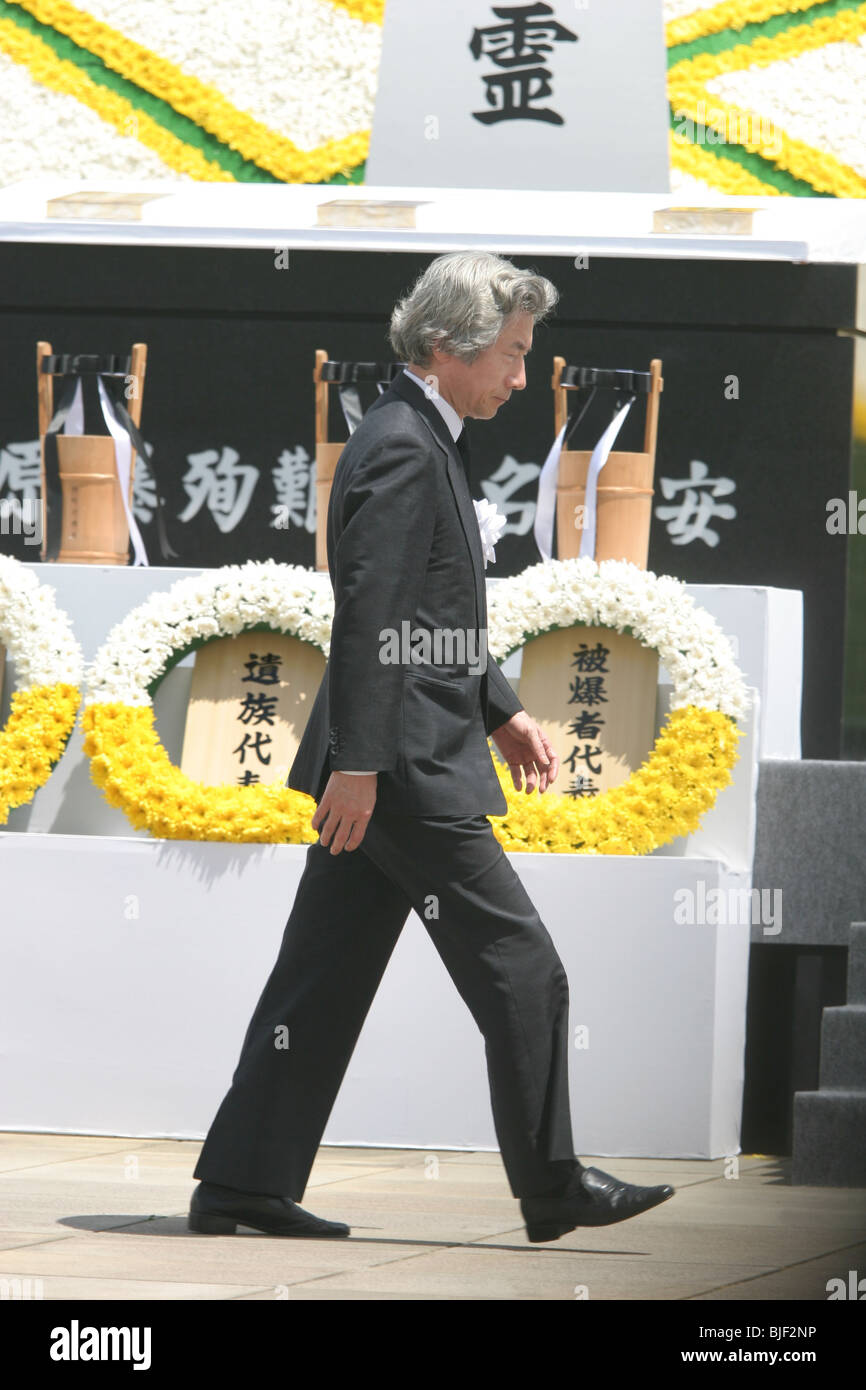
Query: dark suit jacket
x=404 y=548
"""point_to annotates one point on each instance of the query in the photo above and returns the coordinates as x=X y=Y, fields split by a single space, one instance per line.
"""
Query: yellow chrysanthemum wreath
x=48 y=664
x=128 y=761
x=697 y=745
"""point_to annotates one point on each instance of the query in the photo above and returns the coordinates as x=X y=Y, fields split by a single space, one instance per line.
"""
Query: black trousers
x=347 y=916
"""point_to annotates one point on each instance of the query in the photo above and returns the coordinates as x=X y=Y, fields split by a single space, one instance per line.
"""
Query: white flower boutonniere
x=491 y=524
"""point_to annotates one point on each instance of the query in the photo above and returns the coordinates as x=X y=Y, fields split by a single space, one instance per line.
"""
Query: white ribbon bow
x=491 y=524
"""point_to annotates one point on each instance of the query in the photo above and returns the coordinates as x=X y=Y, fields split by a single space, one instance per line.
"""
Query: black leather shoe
x=218 y=1211
x=593 y=1198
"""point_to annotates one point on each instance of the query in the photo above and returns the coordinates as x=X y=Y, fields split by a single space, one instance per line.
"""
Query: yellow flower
x=40 y=721
x=159 y=797
x=661 y=801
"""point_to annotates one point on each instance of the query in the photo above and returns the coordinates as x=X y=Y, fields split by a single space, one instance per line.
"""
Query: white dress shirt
x=455 y=426
x=446 y=410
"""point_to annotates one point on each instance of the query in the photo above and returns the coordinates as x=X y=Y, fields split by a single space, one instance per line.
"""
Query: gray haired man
x=395 y=753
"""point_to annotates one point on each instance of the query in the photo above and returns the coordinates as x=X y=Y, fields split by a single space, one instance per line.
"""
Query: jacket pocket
x=438 y=718
x=441 y=681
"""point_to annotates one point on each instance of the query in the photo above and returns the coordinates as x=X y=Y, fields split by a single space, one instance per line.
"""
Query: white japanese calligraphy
x=293 y=476
x=217 y=480
x=509 y=478
x=689 y=520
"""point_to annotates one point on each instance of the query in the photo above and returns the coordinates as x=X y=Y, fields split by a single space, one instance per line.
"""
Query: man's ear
x=438 y=357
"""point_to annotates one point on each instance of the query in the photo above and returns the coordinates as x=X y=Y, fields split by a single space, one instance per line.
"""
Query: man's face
x=479 y=388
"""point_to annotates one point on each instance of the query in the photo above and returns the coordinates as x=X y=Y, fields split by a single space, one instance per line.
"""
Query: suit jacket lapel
x=408 y=390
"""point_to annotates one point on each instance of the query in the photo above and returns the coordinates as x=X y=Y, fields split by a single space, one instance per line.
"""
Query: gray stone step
x=856 y=985
x=829 y=1139
x=843 y=1048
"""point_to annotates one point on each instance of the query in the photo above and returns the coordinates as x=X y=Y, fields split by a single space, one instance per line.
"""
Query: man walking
x=395 y=753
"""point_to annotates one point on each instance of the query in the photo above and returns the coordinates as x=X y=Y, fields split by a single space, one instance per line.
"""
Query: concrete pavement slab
x=137 y=1291
x=804 y=1281
x=21 y=1151
x=181 y=1257
x=105 y=1217
x=774 y=1247
x=492 y=1273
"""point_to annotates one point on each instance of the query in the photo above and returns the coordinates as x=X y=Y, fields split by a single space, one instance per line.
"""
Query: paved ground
x=90 y=1217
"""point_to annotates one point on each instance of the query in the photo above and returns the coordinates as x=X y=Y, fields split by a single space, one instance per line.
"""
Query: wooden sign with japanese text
x=593 y=692
x=249 y=703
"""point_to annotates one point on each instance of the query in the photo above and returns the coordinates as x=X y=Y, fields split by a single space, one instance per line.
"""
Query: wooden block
x=356 y=212
x=716 y=221
x=593 y=692
x=623 y=506
x=94 y=529
x=101 y=207
x=249 y=703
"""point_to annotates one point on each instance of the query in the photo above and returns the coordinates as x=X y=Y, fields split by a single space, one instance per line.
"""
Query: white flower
x=616 y=594
x=37 y=634
x=491 y=524
x=217 y=603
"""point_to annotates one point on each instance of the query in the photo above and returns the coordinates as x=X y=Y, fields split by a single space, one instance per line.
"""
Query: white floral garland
x=305 y=68
x=44 y=704
x=561 y=593
x=36 y=633
x=613 y=593
x=805 y=95
x=216 y=603
x=132 y=768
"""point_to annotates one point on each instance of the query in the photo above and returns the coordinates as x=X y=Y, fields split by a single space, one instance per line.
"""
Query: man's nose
x=517 y=379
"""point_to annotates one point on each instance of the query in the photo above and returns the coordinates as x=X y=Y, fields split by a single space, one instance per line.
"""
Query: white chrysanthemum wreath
x=128 y=761
x=697 y=746
x=48 y=661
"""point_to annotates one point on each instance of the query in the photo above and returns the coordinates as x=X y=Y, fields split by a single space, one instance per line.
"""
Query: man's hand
x=525 y=748
x=344 y=811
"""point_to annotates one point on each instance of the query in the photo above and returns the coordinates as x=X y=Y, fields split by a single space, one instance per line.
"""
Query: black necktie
x=462 y=443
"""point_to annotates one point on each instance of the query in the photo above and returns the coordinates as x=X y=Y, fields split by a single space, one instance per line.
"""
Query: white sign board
x=563 y=95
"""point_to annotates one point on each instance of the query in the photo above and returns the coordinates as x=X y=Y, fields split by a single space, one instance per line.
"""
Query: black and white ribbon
x=346 y=375
x=69 y=419
x=545 y=511
x=123 y=465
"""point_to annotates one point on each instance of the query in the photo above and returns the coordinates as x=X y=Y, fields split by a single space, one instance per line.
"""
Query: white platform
x=132 y=968
x=133 y=965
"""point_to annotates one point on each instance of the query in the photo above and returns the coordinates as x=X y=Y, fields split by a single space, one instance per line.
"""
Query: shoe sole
x=540 y=1231
x=206 y=1224
x=546 y=1231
